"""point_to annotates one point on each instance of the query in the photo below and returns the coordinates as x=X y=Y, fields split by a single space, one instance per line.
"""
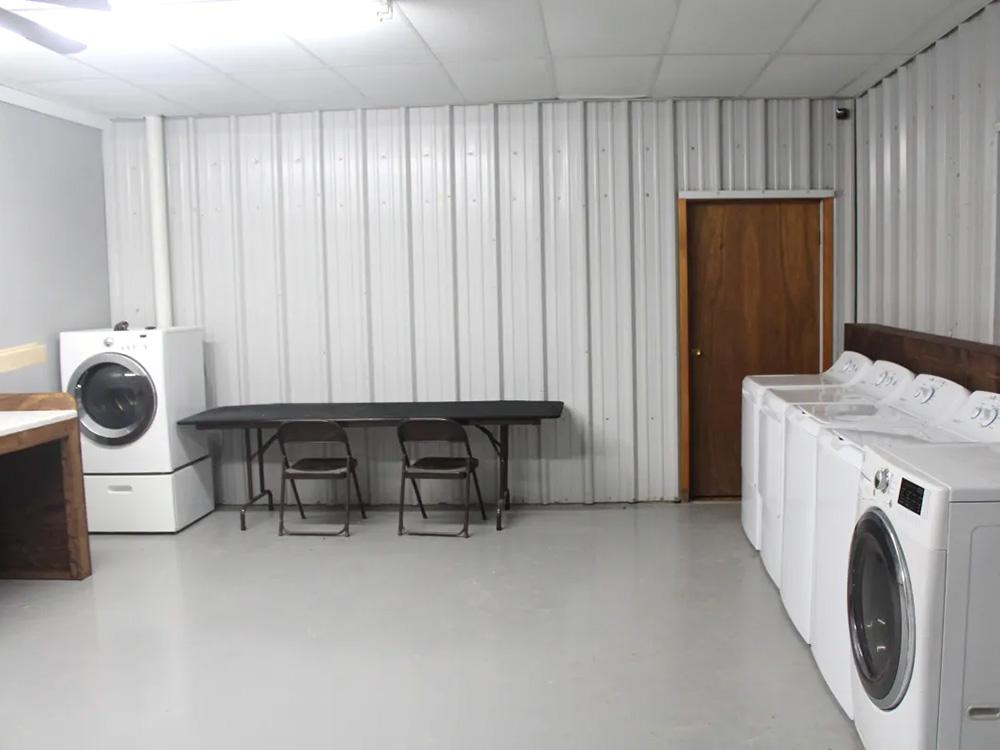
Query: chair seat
x=305 y=468
x=440 y=466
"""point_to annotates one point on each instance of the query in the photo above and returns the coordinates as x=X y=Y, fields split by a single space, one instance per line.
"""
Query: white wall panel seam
x=455 y=281
x=243 y=371
x=408 y=213
x=633 y=344
x=366 y=231
x=277 y=233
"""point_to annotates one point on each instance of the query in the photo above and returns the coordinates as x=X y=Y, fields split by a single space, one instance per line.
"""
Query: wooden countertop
x=18 y=421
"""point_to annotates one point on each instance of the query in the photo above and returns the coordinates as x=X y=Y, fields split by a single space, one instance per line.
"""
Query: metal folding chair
x=316 y=433
x=437 y=467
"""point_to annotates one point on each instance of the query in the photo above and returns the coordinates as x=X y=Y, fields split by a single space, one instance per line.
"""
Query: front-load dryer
x=881 y=382
x=929 y=400
x=849 y=367
x=141 y=473
x=838 y=476
x=922 y=598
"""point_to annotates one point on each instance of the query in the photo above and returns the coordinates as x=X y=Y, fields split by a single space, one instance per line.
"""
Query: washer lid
x=115 y=397
x=880 y=611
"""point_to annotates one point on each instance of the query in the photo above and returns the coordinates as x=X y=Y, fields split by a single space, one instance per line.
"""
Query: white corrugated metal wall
x=927 y=188
x=489 y=251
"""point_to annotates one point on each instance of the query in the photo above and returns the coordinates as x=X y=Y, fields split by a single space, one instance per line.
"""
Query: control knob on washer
x=988 y=416
x=882 y=479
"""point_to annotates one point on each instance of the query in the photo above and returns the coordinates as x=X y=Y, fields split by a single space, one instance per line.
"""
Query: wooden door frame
x=824 y=202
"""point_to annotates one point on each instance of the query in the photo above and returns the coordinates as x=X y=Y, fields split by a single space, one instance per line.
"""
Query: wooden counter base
x=43 y=520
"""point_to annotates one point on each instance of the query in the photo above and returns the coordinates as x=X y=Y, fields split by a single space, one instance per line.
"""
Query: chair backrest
x=312 y=431
x=431 y=431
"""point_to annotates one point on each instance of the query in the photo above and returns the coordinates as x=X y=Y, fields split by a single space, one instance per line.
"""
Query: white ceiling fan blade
x=38 y=34
x=81 y=4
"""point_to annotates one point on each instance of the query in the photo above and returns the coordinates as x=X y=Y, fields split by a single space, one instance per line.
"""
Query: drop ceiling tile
x=228 y=37
x=214 y=95
x=148 y=63
x=707 y=75
x=863 y=26
x=371 y=43
x=503 y=80
x=608 y=27
x=481 y=30
x=107 y=96
x=318 y=89
x=809 y=75
x=397 y=85
x=611 y=77
x=24 y=62
x=279 y=53
x=724 y=26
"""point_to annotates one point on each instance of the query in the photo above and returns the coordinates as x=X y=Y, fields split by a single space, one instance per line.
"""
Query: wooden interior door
x=754 y=306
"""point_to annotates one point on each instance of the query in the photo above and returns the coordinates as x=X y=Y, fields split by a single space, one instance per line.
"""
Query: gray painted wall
x=53 y=247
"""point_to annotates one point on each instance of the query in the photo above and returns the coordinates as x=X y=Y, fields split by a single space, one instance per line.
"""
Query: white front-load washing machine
x=141 y=473
x=923 y=600
x=881 y=382
x=929 y=400
x=849 y=367
x=838 y=476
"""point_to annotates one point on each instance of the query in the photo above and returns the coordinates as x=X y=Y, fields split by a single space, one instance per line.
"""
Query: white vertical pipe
x=156 y=187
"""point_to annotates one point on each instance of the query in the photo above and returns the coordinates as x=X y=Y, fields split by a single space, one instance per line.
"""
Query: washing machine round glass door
x=115 y=398
x=880 y=610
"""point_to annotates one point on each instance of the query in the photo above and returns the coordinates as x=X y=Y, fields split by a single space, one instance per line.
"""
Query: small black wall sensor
x=842 y=113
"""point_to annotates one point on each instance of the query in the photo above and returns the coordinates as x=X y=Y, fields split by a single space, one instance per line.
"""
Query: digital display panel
x=911 y=496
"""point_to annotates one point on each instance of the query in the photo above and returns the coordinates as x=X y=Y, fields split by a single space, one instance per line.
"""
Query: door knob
x=696 y=352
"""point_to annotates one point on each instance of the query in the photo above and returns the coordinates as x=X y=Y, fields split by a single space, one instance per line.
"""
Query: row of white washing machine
x=873 y=496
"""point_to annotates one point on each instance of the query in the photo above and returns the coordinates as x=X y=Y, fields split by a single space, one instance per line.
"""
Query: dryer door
x=115 y=398
x=880 y=610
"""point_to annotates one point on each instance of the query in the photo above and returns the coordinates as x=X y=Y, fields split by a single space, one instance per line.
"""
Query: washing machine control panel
x=979 y=419
x=126 y=343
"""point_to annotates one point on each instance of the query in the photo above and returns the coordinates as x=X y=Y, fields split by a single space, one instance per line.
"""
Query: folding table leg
x=249 y=469
x=503 y=500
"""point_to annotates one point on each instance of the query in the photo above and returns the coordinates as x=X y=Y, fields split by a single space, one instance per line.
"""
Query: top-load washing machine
x=849 y=367
x=881 y=382
x=929 y=400
x=838 y=475
x=141 y=473
x=922 y=598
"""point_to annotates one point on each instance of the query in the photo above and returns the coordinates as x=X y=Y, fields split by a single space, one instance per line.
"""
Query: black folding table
x=482 y=415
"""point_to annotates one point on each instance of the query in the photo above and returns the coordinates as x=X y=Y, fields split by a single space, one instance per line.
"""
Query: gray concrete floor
x=616 y=627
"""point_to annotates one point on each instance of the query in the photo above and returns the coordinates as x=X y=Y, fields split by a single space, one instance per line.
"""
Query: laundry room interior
x=402 y=374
